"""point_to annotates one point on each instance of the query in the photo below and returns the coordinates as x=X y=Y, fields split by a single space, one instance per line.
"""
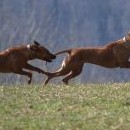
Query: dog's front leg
x=30 y=67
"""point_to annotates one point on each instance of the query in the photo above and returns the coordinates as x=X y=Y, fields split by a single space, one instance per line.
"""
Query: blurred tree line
x=62 y=24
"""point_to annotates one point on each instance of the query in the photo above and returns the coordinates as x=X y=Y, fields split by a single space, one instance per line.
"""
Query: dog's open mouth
x=48 y=60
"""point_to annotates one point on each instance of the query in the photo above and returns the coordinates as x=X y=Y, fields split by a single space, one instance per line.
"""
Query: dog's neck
x=30 y=53
x=126 y=43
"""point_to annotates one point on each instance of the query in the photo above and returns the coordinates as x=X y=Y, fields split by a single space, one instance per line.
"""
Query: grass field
x=74 y=107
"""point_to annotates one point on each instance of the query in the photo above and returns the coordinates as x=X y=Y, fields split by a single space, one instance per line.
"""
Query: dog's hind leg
x=65 y=69
x=75 y=72
x=58 y=73
x=22 y=72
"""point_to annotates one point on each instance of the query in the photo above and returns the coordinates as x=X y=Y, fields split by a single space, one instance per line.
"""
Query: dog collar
x=126 y=43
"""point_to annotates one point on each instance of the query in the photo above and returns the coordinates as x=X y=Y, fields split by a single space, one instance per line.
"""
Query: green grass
x=74 y=107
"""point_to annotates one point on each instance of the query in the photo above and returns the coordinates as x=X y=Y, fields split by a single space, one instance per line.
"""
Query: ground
x=60 y=107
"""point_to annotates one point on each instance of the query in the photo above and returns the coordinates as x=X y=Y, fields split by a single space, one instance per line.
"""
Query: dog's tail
x=65 y=51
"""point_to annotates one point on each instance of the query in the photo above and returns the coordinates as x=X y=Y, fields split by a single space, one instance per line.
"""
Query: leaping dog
x=115 y=54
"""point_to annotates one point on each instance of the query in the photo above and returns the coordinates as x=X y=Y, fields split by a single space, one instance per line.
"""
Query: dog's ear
x=34 y=47
x=36 y=43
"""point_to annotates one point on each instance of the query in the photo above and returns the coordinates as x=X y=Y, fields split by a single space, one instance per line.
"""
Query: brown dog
x=113 y=55
x=15 y=59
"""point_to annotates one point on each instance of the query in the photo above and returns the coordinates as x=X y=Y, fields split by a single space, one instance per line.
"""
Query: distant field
x=75 y=107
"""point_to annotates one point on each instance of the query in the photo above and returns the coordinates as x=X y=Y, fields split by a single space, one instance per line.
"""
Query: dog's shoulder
x=120 y=50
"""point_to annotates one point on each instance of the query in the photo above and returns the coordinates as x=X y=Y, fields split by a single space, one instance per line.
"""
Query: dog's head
x=38 y=51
